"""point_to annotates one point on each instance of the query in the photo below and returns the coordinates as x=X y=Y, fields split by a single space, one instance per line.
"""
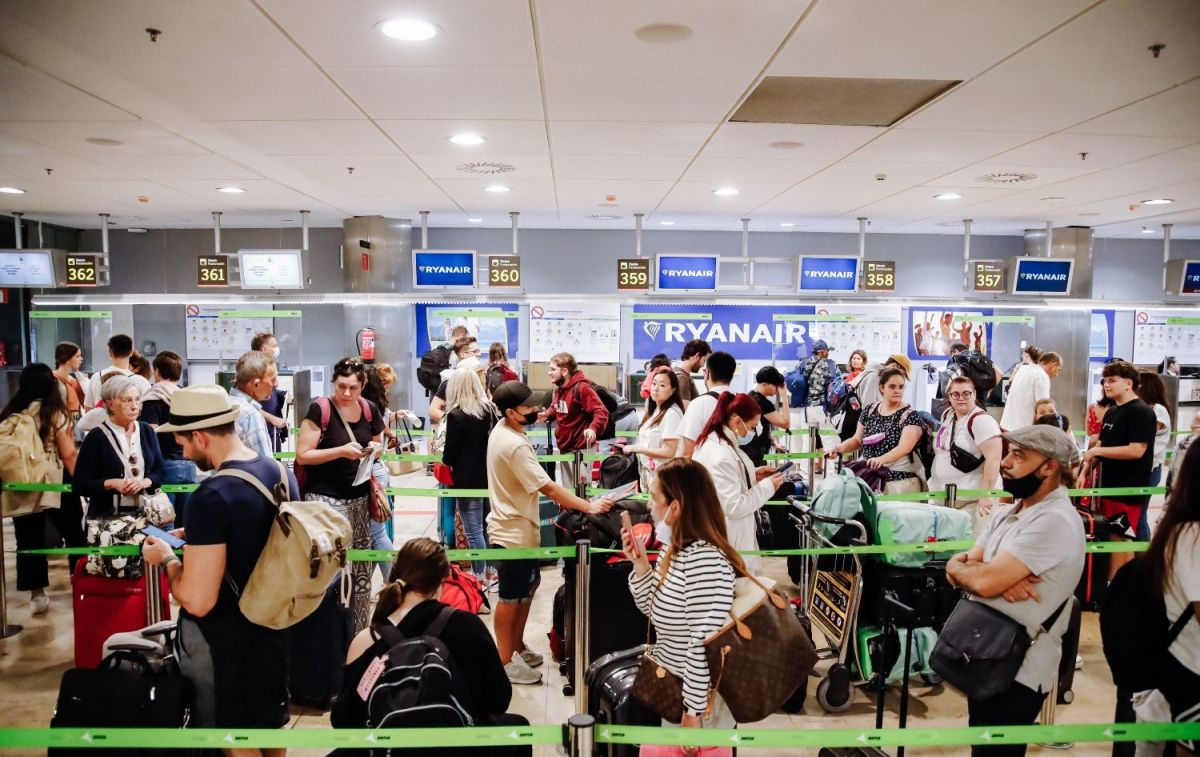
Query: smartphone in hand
x=173 y=541
x=634 y=542
x=785 y=466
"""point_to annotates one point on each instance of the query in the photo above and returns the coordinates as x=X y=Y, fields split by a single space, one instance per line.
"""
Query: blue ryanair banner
x=444 y=269
x=682 y=273
x=832 y=274
x=748 y=332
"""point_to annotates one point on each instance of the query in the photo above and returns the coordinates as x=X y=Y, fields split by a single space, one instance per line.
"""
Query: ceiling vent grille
x=1006 y=177
x=486 y=168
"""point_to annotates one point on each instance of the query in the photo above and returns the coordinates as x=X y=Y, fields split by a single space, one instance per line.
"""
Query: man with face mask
x=515 y=482
x=1026 y=565
x=238 y=669
x=272 y=407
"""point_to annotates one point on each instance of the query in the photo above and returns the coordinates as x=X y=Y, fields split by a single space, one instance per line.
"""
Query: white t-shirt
x=1162 y=436
x=1183 y=588
x=653 y=437
x=697 y=414
x=983 y=427
x=1031 y=384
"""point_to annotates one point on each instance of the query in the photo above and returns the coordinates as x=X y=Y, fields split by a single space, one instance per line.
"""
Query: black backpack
x=429 y=372
x=618 y=470
x=419 y=687
x=974 y=365
x=616 y=409
x=1134 y=628
x=495 y=377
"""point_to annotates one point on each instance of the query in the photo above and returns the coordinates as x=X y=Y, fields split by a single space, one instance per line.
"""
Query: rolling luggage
x=617 y=623
x=1070 y=648
x=106 y=606
x=877 y=650
x=913 y=522
x=317 y=649
x=1093 y=584
x=611 y=701
x=925 y=589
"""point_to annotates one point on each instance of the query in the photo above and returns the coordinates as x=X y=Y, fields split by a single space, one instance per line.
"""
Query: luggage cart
x=831 y=591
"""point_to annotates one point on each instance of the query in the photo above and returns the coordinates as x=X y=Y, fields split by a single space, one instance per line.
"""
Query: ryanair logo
x=1044 y=276
x=651 y=328
x=444 y=268
x=829 y=274
x=672 y=273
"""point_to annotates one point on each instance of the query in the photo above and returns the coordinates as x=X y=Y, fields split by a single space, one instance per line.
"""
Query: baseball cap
x=1048 y=440
x=903 y=362
x=513 y=394
x=819 y=345
x=769 y=375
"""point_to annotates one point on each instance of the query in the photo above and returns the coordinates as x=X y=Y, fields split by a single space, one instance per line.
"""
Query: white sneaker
x=520 y=672
x=40 y=604
x=1079 y=662
x=531 y=658
x=484 y=609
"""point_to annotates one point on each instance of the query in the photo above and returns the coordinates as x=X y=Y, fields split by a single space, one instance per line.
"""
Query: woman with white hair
x=469 y=420
x=120 y=458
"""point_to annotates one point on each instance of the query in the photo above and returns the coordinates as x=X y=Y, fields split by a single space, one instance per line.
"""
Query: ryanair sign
x=687 y=273
x=1044 y=276
x=828 y=274
x=444 y=269
x=748 y=332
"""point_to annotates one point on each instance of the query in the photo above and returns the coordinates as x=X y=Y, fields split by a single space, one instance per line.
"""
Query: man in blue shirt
x=254 y=380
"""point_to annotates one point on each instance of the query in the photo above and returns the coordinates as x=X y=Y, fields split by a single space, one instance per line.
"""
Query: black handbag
x=959 y=457
x=980 y=649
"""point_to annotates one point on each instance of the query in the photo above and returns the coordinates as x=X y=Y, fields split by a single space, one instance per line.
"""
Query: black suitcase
x=925 y=589
x=1070 y=648
x=123 y=692
x=617 y=624
x=1093 y=584
x=610 y=697
x=317 y=649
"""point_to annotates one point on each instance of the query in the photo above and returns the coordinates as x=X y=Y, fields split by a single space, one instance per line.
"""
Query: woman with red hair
x=741 y=487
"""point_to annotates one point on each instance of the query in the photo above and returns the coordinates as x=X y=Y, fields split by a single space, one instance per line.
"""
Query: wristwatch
x=171 y=559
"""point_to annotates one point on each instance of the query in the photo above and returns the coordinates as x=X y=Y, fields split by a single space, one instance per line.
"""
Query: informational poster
x=487 y=323
x=211 y=337
x=875 y=329
x=1159 y=333
x=931 y=333
x=590 y=332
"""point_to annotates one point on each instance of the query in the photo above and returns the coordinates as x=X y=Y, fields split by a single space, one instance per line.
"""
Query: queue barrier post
x=952 y=496
x=582 y=624
x=153 y=600
x=6 y=630
x=813 y=440
x=581 y=735
x=581 y=481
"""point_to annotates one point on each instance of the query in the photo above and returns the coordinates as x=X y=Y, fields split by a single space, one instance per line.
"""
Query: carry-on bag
x=404 y=445
x=610 y=697
x=1093 y=583
x=317 y=649
x=924 y=589
x=617 y=623
x=106 y=606
x=878 y=650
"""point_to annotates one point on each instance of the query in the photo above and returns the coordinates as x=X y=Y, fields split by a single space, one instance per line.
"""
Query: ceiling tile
x=941 y=145
x=688 y=196
x=627 y=138
x=1103 y=151
x=592 y=195
x=445 y=92
x=208 y=167
x=432 y=137
x=827 y=143
x=136 y=137
x=356 y=187
x=532 y=194
x=604 y=94
x=388 y=166
x=448 y=166
x=970 y=176
x=1173 y=113
x=63 y=167
x=738 y=171
x=30 y=95
x=310 y=137
x=628 y=167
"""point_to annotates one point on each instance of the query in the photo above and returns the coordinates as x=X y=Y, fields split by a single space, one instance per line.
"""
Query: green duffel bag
x=917 y=522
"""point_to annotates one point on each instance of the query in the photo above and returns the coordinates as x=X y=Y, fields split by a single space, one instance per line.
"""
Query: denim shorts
x=518 y=579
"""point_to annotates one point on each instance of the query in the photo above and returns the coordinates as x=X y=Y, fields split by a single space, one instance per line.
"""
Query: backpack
x=616 y=409
x=419 y=686
x=618 y=470
x=304 y=551
x=837 y=395
x=429 y=371
x=842 y=496
x=26 y=459
x=796 y=381
x=1134 y=628
x=463 y=591
x=327 y=413
x=497 y=375
x=974 y=365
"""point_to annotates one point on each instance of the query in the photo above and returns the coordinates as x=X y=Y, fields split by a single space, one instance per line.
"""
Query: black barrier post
x=581 y=735
x=153 y=589
x=813 y=438
x=581 y=481
x=6 y=630
x=582 y=625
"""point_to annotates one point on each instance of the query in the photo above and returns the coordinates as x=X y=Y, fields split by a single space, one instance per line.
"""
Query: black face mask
x=1024 y=486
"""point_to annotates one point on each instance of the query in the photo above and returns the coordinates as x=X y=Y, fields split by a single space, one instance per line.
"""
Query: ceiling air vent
x=1006 y=177
x=604 y=217
x=487 y=169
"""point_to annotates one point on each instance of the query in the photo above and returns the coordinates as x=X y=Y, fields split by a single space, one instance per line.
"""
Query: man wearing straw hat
x=238 y=669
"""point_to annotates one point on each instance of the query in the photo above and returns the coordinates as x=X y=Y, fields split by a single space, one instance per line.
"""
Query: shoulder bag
x=980 y=649
x=156 y=507
x=655 y=686
x=961 y=459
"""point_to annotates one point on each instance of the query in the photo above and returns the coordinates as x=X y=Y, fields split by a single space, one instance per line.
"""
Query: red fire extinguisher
x=365 y=340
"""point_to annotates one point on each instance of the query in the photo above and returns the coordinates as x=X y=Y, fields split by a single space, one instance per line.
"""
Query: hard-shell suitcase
x=1093 y=584
x=610 y=697
x=1070 y=648
x=925 y=589
x=617 y=623
x=106 y=606
x=317 y=649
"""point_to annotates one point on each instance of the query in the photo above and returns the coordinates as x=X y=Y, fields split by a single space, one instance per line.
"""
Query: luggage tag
x=370 y=676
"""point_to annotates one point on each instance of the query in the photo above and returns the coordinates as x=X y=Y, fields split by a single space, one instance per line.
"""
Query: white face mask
x=275 y=353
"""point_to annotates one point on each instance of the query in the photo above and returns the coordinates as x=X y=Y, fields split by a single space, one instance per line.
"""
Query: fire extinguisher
x=365 y=340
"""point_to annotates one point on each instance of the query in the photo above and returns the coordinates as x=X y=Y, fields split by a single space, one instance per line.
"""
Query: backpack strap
x=1179 y=624
x=971 y=421
x=438 y=624
x=259 y=485
x=326 y=409
x=393 y=635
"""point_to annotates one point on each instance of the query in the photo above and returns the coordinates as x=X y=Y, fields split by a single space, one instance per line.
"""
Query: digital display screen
x=26 y=268
x=1191 y=278
x=444 y=269
x=271 y=269
x=833 y=274
x=1042 y=276
x=687 y=273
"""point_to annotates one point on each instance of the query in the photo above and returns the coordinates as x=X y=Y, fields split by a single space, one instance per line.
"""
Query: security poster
x=748 y=332
x=931 y=333
x=487 y=323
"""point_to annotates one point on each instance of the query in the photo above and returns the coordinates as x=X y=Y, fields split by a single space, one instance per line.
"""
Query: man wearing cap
x=768 y=389
x=1026 y=565
x=809 y=410
x=238 y=669
x=515 y=481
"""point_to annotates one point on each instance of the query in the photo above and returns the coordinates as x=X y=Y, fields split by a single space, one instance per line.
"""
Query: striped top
x=693 y=602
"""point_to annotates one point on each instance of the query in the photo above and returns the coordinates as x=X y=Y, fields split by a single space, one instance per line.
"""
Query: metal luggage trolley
x=832 y=591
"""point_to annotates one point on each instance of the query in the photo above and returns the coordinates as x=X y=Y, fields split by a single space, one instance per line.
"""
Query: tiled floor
x=32 y=663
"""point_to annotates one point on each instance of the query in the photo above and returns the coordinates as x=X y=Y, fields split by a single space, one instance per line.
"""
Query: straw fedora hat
x=198 y=407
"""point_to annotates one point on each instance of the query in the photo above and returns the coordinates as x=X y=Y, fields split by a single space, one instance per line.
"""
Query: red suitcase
x=104 y=606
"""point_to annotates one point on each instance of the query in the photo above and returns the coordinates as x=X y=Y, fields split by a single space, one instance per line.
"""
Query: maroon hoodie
x=576 y=407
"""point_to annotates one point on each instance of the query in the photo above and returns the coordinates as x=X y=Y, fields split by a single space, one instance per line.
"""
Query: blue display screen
x=828 y=274
x=1042 y=276
x=443 y=269
x=687 y=272
x=1191 y=278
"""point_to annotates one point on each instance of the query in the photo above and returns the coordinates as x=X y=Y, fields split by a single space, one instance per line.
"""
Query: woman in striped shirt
x=689 y=594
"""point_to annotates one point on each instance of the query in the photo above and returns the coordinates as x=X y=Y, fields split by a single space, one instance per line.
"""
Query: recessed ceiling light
x=12 y=191
x=1160 y=201
x=663 y=33
x=948 y=196
x=135 y=230
x=785 y=144
x=231 y=190
x=467 y=139
x=1147 y=230
x=787 y=224
x=666 y=223
x=497 y=188
x=103 y=141
x=408 y=29
x=725 y=192
x=474 y=220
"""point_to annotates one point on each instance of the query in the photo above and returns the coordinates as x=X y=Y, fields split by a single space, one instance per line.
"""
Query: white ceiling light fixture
x=497 y=188
x=135 y=230
x=474 y=220
x=467 y=140
x=231 y=190
x=666 y=223
x=725 y=191
x=407 y=29
x=1159 y=201
x=12 y=191
x=787 y=224
x=948 y=196
x=1147 y=230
